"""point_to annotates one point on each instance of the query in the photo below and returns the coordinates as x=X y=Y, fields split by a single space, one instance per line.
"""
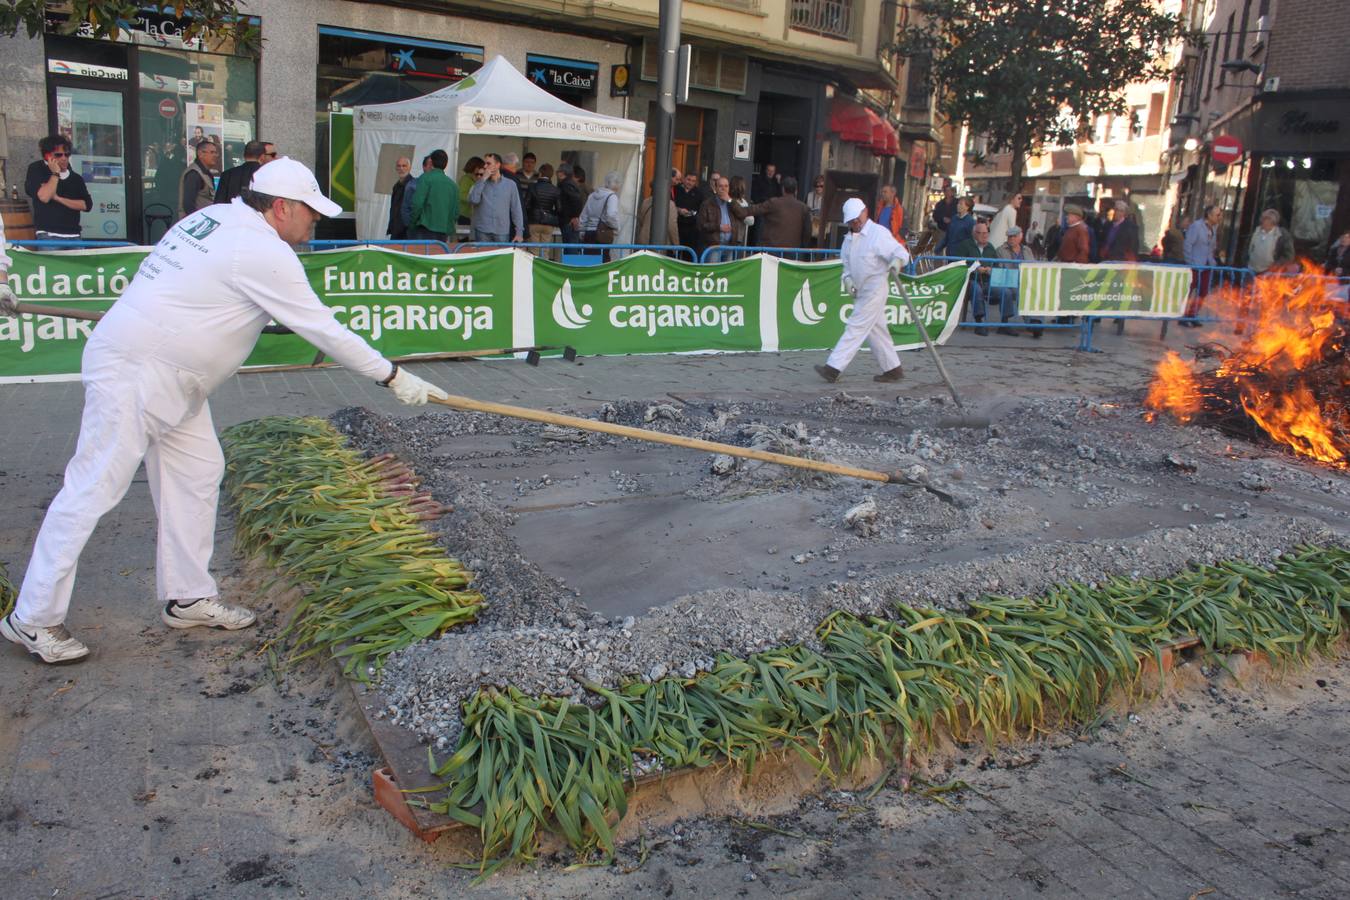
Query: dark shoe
x=893 y=375
x=1012 y=331
x=1037 y=332
x=829 y=373
x=982 y=331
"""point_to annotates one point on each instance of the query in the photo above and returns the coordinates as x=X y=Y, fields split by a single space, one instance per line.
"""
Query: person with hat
x=1005 y=295
x=1075 y=244
x=187 y=321
x=871 y=256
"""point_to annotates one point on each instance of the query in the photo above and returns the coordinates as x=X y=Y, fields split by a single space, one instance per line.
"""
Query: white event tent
x=494 y=110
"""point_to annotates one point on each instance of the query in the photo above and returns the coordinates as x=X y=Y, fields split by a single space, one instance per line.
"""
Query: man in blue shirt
x=498 y=217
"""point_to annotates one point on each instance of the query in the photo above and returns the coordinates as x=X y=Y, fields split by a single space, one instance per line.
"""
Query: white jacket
x=1004 y=219
x=867 y=256
x=202 y=296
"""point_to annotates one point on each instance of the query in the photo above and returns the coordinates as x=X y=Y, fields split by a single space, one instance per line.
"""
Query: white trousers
x=134 y=409
x=867 y=323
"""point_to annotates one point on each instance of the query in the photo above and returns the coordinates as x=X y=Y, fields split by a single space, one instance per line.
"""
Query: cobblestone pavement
x=175 y=765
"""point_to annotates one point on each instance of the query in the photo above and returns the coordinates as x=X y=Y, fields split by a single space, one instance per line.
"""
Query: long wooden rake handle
x=65 y=312
x=642 y=434
x=94 y=315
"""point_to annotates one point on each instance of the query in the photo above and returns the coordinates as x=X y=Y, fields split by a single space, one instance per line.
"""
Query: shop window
x=710 y=70
x=1155 y=114
x=918 y=92
x=187 y=97
x=358 y=68
x=135 y=106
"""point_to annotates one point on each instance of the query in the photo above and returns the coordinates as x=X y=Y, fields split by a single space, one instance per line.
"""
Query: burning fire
x=1289 y=374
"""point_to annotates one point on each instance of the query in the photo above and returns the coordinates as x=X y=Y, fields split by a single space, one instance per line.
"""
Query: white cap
x=291 y=179
x=853 y=207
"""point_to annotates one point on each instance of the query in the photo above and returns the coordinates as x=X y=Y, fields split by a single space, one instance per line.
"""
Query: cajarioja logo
x=806 y=311
x=565 y=311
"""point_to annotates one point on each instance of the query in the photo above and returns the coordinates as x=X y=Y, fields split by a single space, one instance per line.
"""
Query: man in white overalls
x=185 y=323
x=871 y=256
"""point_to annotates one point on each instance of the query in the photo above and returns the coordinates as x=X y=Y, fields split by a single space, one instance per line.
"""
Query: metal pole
x=667 y=75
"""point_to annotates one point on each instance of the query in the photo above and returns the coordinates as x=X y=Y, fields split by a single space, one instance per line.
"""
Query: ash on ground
x=604 y=559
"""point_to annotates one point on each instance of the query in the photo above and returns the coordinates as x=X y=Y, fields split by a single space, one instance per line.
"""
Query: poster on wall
x=205 y=121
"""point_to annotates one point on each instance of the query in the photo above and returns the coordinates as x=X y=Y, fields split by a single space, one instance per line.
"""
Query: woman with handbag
x=600 y=215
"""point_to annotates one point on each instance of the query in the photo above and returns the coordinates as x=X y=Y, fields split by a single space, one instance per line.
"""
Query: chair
x=153 y=215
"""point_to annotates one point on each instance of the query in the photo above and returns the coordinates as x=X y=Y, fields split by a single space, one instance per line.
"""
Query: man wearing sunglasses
x=59 y=195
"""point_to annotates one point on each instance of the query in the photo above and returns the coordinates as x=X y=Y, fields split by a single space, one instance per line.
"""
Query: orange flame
x=1174 y=389
x=1289 y=372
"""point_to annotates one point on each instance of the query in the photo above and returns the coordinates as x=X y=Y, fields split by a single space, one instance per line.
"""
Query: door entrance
x=779 y=127
x=91 y=119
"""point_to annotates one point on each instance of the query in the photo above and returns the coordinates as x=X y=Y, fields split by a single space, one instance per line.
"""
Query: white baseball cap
x=853 y=207
x=292 y=179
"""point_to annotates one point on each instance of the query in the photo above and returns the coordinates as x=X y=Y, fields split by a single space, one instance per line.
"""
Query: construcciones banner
x=1102 y=289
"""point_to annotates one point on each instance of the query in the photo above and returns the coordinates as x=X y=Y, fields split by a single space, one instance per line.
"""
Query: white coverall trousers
x=867 y=323
x=135 y=408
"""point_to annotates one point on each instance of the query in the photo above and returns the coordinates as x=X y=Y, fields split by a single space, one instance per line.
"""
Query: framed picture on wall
x=742 y=146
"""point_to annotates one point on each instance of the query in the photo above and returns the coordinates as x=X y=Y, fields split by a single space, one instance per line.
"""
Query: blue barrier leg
x=1085 y=336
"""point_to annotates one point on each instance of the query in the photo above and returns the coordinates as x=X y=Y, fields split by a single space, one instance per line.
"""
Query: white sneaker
x=52 y=645
x=208 y=611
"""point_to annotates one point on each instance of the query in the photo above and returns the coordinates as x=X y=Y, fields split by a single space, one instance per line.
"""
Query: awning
x=885 y=140
x=857 y=124
x=852 y=121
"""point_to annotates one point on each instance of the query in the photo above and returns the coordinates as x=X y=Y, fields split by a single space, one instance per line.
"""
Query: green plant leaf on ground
x=869 y=689
x=375 y=580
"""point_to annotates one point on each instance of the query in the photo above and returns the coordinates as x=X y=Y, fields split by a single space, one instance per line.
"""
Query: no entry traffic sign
x=1226 y=150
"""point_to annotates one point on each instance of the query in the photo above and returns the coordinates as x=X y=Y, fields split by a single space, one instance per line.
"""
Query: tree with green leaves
x=102 y=18
x=1027 y=73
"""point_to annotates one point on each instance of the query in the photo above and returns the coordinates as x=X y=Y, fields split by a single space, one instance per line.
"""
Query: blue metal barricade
x=581 y=254
x=340 y=244
x=927 y=263
x=728 y=252
x=63 y=244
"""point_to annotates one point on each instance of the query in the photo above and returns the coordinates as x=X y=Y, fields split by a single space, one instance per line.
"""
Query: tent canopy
x=496 y=109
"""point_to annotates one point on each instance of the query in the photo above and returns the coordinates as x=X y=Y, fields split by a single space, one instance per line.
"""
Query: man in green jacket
x=435 y=208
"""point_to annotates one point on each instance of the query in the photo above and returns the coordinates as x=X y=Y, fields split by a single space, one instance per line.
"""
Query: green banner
x=407 y=304
x=36 y=345
x=1103 y=289
x=647 y=303
x=403 y=304
x=812 y=307
x=341 y=155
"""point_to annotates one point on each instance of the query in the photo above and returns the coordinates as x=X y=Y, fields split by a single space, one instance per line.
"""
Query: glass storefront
x=135 y=107
x=184 y=98
x=91 y=120
x=1305 y=190
x=363 y=67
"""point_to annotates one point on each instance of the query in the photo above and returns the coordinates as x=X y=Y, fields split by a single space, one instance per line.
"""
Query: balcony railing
x=831 y=18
